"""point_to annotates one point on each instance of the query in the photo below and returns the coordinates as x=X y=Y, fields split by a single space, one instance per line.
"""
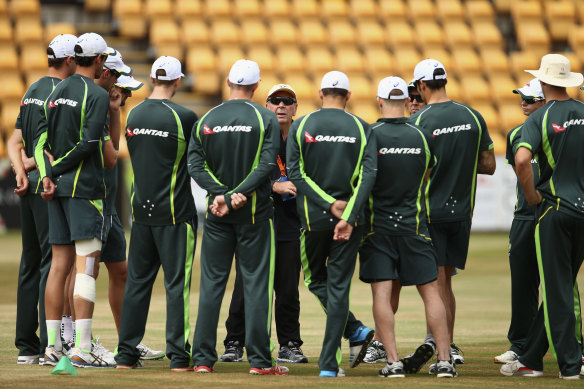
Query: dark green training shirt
x=330 y=156
x=158 y=132
x=404 y=154
x=459 y=133
x=31 y=109
x=72 y=130
x=555 y=133
x=523 y=211
x=234 y=150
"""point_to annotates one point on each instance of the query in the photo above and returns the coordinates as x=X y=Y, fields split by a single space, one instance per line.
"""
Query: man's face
x=99 y=68
x=277 y=104
x=529 y=106
x=415 y=101
x=125 y=94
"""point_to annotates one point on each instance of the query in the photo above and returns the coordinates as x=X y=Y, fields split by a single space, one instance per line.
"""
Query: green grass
x=483 y=303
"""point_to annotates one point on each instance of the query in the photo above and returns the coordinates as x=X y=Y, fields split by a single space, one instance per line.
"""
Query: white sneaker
x=27 y=360
x=507 y=357
x=98 y=349
x=582 y=370
x=375 y=353
x=569 y=377
x=81 y=358
x=52 y=356
x=455 y=353
x=518 y=369
x=341 y=372
x=147 y=353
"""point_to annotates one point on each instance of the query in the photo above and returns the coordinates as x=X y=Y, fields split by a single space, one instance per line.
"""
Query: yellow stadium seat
x=466 y=62
x=449 y=11
x=217 y=8
x=522 y=60
x=12 y=87
x=486 y=34
x=405 y=60
x=8 y=58
x=334 y=9
x=3 y=151
x=499 y=141
x=400 y=34
x=194 y=31
x=132 y=26
x=349 y=59
x=526 y=10
x=438 y=53
x=370 y=33
x=28 y=30
x=510 y=116
x=226 y=57
x=283 y=32
x=306 y=90
x=164 y=31
x=10 y=111
x=457 y=35
x=175 y=50
x=361 y=88
x=494 y=61
x=305 y=9
x=31 y=76
x=560 y=17
x=392 y=10
x=264 y=57
x=3 y=7
x=502 y=6
x=501 y=87
x=421 y=10
x=225 y=31
x=126 y=8
x=580 y=11
x=534 y=37
x=200 y=58
x=319 y=60
x=269 y=79
x=490 y=114
x=5 y=30
x=54 y=29
x=312 y=32
x=207 y=82
x=341 y=33
x=290 y=59
x=363 y=9
x=34 y=56
x=247 y=8
x=479 y=11
x=474 y=89
x=276 y=9
x=97 y=5
x=378 y=61
x=366 y=110
x=25 y=8
x=307 y=106
x=154 y=9
x=428 y=33
x=189 y=9
x=254 y=32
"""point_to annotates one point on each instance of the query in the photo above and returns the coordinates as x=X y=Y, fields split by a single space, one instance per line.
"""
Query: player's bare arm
x=338 y=207
x=525 y=175
x=15 y=148
x=487 y=162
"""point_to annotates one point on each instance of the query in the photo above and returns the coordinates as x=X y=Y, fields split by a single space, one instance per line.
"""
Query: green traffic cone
x=64 y=367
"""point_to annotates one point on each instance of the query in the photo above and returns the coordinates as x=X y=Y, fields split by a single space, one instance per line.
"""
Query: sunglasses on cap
x=113 y=71
x=278 y=100
x=418 y=98
x=530 y=101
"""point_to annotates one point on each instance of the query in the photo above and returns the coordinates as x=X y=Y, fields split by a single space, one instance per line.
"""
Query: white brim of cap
x=572 y=80
x=129 y=83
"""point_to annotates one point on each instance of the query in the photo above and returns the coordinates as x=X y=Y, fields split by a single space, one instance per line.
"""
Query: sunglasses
x=278 y=100
x=418 y=98
x=114 y=72
x=530 y=101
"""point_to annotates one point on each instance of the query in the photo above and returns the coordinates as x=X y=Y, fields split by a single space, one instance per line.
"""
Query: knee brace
x=84 y=287
x=85 y=247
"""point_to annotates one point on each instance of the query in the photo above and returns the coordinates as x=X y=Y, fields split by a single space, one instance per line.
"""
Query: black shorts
x=72 y=219
x=114 y=248
x=384 y=257
x=451 y=242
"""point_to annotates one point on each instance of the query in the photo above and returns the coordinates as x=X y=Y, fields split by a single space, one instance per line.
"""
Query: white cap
x=531 y=90
x=335 y=79
x=63 y=46
x=115 y=61
x=555 y=70
x=390 y=83
x=282 y=87
x=170 y=65
x=91 y=45
x=129 y=82
x=425 y=70
x=244 y=72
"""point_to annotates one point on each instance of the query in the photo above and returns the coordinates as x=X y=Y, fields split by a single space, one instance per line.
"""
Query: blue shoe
x=327 y=373
x=358 y=343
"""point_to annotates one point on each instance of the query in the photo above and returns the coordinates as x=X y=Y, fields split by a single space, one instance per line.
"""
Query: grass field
x=482 y=318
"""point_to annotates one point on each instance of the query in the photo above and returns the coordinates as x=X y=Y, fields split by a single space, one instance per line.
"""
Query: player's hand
x=536 y=199
x=115 y=99
x=338 y=207
x=284 y=187
x=238 y=200
x=219 y=207
x=343 y=231
x=50 y=156
x=29 y=163
x=48 y=189
x=21 y=184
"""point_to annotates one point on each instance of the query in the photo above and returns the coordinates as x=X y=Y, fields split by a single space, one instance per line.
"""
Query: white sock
x=83 y=334
x=73 y=330
x=67 y=328
x=429 y=339
x=53 y=338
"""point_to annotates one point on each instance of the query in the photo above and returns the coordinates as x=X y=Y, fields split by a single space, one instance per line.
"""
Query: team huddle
x=282 y=194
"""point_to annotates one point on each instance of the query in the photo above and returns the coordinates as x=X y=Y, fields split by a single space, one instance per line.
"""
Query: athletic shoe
x=446 y=369
x=433 y=369
x=98 y=349
x=414 y=362
x=358 y=343
x=147 y=353
x=518 y=369
x=203 y=369
x=582 y=370
x=52 y=356
x=138 y=365
x=455 y=354
x=569 y=377
x=274 y=370
x=81 y=358
x=507 y=357
x=393 y=370
x=27 y=360
x=291 y=353
x=233 y=352
x=184 y=369
x=375 y=353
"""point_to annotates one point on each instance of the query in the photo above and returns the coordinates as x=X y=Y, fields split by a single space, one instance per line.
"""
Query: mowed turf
x=483 y=302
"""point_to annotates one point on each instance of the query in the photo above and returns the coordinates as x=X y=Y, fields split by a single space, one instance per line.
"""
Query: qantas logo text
x=572 y=122
x=399 y=150
x=146 y=131
x=208 y=131
x=69 y=102
x=448 y=130
x=329 y=138
x=31 y=100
